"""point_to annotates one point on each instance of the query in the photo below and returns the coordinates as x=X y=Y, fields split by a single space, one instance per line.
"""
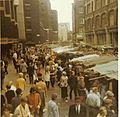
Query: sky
x=64 y=8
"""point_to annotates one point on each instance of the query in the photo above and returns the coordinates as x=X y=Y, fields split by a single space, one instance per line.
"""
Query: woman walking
x=64 y=85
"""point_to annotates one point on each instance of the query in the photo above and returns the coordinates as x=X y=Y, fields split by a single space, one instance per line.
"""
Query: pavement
x=63 y=106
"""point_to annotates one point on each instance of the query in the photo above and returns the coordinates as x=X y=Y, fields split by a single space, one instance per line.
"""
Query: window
x=81 y=21
x=103 y=3
x=12 y=10
x=92 y=22
x=89 y=24
x=103 y=18
x=7 y=7
x=88 y=8
x=1 y=4
x=97 y=22
x=27 y=8
x=27 y=13
x=92 y=5
x=81 y=9
x=98 y=4
x=111 y=18
x=28 y=24
x=110 y=1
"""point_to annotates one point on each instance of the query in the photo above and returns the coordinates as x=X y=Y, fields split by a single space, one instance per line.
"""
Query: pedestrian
x=59 y=74
x=93 y=102
x=110 y=95
x=47 y=77
x=73 y=83
x=82 y=91
x=6 y=65
x=2 y=74
x=52 y=75
x=34 y=101
x=42 y=84
x=63 y=86
x=9 y=94
x=77 y=109
x=12 y=86
x=15 y=58
x=20 y=82
x=53 y=107
x=18 y=61
x=6 y=112
x=3 y=102
x=42 y=96
x=102 y=112
x=16 y=100
x=22 y=109
x=23 y=67
x=110 y=111
x=31 y=72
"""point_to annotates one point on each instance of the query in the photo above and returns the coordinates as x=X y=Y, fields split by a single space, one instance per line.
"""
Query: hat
x=109 y=93
x=107 y=101
x=64 y=73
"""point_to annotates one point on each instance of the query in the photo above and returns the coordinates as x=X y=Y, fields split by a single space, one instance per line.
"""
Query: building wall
x=101 y=20
x=9 y=28
x=36 y=20
x=78 y=19
x=63 y=29
x=53 y=25
x=20 y=20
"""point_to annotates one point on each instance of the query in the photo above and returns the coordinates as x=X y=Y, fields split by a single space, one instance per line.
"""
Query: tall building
x=53 y=25
x=78 y=19
x=20 y=20
x=27 y=22
x=101 y=20
x=32 y=14
x=63 y=29
x=37 y=20
x=9 y=27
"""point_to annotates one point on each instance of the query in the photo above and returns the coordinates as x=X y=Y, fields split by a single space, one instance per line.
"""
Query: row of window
x=102 y=21
x=97 y=4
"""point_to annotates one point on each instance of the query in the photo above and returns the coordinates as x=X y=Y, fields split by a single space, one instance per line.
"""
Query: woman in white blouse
x=64 y=85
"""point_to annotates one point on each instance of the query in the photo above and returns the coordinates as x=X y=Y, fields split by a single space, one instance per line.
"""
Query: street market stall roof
x=86 y=57
x=109 y=69
x=63 y=49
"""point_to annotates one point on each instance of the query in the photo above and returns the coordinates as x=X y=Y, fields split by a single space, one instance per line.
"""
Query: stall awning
x=86 y=58
x=109 y=69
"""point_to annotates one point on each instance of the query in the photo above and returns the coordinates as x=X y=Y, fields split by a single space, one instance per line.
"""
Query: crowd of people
x=44 y=70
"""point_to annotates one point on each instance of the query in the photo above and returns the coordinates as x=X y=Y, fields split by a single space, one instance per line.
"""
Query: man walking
x=52 y=106
x=77 y=109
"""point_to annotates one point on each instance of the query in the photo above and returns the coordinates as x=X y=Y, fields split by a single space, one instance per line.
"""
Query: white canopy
x=86 y=57
x=109 y=69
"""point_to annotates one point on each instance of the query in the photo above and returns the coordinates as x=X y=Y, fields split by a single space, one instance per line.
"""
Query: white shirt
x=15 y=56
x=47 y=76
x=52 y=109
x=93 y=100
x=13 y=88
x=100 y=115
x=22 y=112
x=78 y=108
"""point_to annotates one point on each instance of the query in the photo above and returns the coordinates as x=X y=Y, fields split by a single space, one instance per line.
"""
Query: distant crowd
x=44 y=70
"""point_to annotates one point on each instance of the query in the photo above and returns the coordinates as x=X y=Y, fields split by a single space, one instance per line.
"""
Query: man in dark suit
x=77 y=109
x=73 y=83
